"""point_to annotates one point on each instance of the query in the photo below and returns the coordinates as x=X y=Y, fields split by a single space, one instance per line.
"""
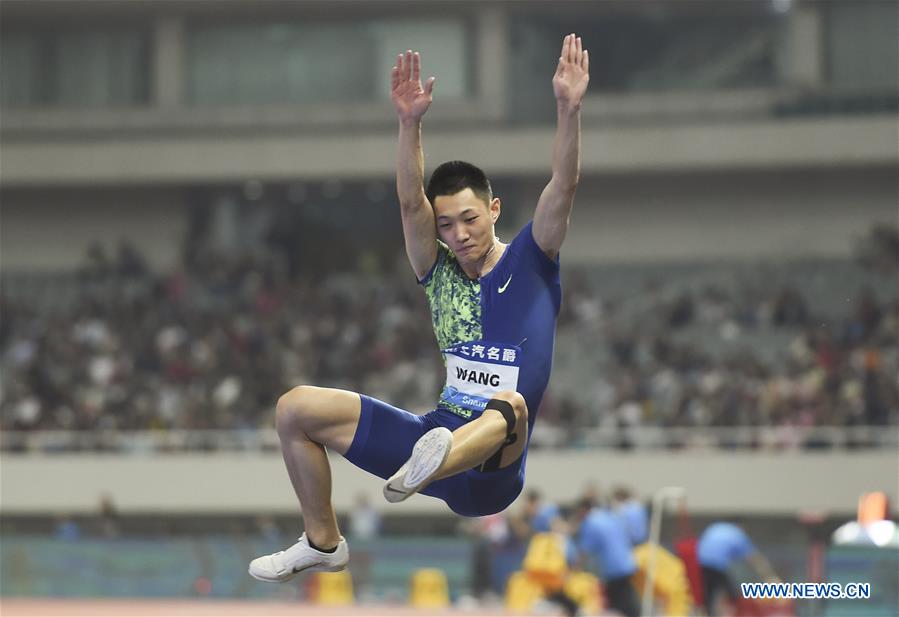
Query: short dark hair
x=622 y=493
x=454 y=176
x=579 y=509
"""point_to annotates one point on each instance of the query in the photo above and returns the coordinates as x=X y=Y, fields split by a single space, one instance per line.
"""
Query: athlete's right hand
x=410 y=99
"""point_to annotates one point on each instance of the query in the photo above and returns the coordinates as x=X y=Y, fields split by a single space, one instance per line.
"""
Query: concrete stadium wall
x=631 y=217
x=721 y=482
x=175 y=156
x=740 y=215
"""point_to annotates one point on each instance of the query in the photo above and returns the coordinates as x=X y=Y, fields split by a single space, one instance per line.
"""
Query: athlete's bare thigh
x=328 y=416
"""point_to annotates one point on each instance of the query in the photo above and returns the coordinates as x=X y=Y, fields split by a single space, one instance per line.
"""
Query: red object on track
x=686 y=550
x=765 y=608
x=685 y=547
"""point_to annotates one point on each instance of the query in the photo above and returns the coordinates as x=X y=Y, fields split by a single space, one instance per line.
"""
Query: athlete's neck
x=481 y=267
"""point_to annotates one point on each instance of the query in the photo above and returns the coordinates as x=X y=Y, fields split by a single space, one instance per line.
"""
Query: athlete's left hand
x=572 y=74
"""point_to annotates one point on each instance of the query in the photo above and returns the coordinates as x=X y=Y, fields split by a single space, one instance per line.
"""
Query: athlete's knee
x=514 y=410
x=516 y=400
x=293 y=408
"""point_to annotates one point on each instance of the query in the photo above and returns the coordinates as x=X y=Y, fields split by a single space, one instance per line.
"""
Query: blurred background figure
x=537 y=515
x=722 y=546
x=107 y=518
x=670 y=584
x=602 y=540
x=196 y=215
x=491 y=534
x=67 y=529
x=633 y=513
x=268 y=530
x=365 y=520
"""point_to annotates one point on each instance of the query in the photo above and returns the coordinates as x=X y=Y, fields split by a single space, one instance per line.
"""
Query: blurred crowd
x=213 y=344
x=714 y=358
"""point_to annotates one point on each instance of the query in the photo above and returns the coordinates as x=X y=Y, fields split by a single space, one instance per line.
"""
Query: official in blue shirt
x=633 y=514
x=721 y=546
x=538 y=514
x=635 y=518
x=546 y=514
x=601 y=535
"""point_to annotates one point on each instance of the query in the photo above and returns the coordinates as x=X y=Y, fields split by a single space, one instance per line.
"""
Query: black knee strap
x=505 y=408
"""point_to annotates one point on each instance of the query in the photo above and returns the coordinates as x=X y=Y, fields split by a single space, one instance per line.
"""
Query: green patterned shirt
x=455 y=303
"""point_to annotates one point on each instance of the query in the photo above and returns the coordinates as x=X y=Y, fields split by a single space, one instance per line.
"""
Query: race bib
x=477 y=370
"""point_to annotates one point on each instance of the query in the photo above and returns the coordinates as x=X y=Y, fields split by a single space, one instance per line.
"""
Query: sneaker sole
x=428 y=456
x=312 y=568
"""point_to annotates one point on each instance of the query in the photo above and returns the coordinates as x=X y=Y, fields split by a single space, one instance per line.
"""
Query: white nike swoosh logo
x=503 y=288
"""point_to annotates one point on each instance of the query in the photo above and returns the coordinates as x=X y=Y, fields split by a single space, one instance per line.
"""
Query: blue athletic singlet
x=512 y=309
x=496 y=333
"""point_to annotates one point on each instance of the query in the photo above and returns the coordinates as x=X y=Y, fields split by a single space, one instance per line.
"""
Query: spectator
x=203 y=347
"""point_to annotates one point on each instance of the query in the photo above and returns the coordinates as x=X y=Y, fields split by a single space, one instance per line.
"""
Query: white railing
x=721 y=438
x=545 y=436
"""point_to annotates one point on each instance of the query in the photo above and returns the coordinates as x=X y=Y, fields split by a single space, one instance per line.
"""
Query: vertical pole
x=669 y=493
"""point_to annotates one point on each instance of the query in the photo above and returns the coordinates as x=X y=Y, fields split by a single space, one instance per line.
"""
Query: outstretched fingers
x=408 y=65
x=573 y=52
x=416 y=67
x=429 y=85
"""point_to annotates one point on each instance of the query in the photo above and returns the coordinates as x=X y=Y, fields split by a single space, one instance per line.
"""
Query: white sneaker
x=430 y=452
x=284 y=565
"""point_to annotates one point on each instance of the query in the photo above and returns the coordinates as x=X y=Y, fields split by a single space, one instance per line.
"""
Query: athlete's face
x=465 y=224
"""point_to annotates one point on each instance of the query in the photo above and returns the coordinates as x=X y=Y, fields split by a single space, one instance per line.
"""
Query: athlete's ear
x=495 y=208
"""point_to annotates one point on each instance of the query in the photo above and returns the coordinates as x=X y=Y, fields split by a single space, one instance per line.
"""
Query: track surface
x=14 y=607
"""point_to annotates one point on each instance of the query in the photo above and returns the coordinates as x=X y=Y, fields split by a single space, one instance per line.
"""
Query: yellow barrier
x=333 y=588
x=522 y=593
x=429 y=589
x=670 y=584
x=545 y=560
x=583 y=588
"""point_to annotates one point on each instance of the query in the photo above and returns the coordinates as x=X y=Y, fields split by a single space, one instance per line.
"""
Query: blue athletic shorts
x=383 y=443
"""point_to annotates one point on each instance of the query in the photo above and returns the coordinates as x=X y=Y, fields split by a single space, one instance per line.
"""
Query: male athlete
x=493 y=307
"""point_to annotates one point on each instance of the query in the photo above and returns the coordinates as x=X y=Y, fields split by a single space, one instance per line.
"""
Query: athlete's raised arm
x=554 y=206
x=411 y=101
